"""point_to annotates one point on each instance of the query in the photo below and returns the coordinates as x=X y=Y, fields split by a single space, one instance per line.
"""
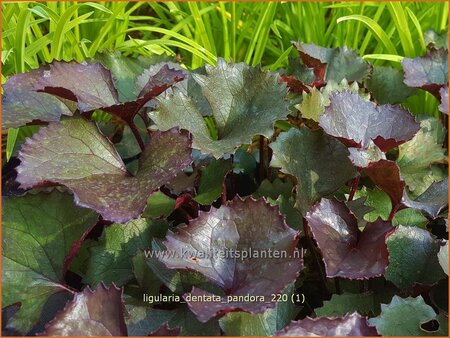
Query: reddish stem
x=75 y=247
x=137 y=135
x=393 y=212
x=355 y=184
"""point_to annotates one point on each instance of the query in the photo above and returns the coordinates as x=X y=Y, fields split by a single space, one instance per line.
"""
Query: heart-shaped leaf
x=429 y=72
x=74 y=153
x=91 y=313
x=356 y=122
x=412 y=244
x=347 y=252
x=38 y=232
x=211 y=243
x=349 y=325
x=318 y=161
x=245 y=101
x=21 y=104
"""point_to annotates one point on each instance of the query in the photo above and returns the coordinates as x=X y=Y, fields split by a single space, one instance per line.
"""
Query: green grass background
x=34 y=33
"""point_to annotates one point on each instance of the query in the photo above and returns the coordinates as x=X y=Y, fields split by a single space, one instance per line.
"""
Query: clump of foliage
x=320 y=159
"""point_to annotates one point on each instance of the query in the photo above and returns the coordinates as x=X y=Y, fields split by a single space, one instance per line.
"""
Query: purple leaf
x=21 y=104
x=386 y=175
x=333 y=63
x=90 y=85
x=158 y=83
x=443 y=107
x=349 y=325
x=91 y=313
x=432 y=201
x=356 y=122
x=75 y=154
x=210 y=243
x=429 y=72
x=348 y=252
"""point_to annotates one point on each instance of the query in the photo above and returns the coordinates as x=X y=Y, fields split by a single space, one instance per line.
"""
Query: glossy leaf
x=386 y=175
x=91 y=86
x=386 y=85
x=349 y=325
x=443 y=257
x=261 y=324
x=367 y=304
x=212 y=181
x=336 y=63
x=245 y=101
x=110 y=259
x=204 y=246
x=319 y=163
x=356 y=122
x=412 y=244
x=91 y=313
x=411 y=312
x=38 y=232
x=417 y=158
x=347 y=252
x=432 y=201
x=21 y=104
x=314 y=102
x=429 y=72
x=74 y=153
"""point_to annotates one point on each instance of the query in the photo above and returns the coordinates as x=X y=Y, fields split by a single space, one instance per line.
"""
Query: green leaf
x=436 y=40
x=378 y=201
x=410 y=217
x=212 y=181
x=314 y=102
x=125 y=70
x=245 y=101
x=274 y=189
x=318 y=161
x=403 y=317
x=143 y=321
x=38 y=232
x=386 y=85
x=413 y=258
x=367 y=304
x=159 y=205
x=417 y=157
x=111 y=259
x=263 y=324
x=190 y=326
